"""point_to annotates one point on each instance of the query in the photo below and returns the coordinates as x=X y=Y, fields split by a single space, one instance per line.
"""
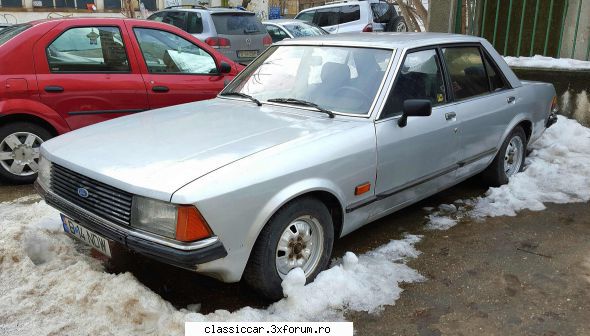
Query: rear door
x=175 y=69
x=349 y=19
x=484 y=104
x=328 y=18
x=244 y=32
x=88 y=72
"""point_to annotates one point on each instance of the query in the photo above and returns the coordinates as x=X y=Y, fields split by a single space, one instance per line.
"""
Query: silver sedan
x=316 y=138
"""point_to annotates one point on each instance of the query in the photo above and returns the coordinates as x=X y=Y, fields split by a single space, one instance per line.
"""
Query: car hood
x=157 y=152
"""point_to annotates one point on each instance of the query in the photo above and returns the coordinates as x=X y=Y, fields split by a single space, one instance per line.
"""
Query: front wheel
x=301 y=235
x=509 y=160
x=20 y=143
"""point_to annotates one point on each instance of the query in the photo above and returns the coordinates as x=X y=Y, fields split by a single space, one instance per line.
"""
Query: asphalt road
x=523 y=275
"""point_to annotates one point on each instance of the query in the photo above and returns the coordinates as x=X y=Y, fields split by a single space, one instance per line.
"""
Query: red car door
x=87 y=71
x=177 y=67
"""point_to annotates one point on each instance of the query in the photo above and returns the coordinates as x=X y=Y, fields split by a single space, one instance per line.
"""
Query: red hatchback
x=60 y=75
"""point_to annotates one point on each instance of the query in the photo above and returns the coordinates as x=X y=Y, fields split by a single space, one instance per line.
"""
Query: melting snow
x=539 y=61
x=49 y=287
x=557 y=171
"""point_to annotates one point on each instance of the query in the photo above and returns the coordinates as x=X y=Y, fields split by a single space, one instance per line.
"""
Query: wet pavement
x=523 y=275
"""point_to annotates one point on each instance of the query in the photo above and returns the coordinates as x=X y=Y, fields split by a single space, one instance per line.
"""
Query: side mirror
x=224 y=68
x=415 y=108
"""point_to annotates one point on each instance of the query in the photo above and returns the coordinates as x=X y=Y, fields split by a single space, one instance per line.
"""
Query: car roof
x=86 y=18
x=207 y=9
x=337 y=4
x=283 y=21
x=382 y=40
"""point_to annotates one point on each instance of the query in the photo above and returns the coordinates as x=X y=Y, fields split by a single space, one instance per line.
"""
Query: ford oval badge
x=82 y=192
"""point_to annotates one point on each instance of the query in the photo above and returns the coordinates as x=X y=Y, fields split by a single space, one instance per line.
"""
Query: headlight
x=180 y=222
x=44 y=173
x=154 y=216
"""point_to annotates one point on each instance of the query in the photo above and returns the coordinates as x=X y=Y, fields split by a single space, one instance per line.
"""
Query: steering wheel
x=356 y=91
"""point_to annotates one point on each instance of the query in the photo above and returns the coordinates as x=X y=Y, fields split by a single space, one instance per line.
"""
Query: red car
x=60 y=75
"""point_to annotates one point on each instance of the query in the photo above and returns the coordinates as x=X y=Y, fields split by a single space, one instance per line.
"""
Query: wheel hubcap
x=19 y=153
x=513 y=156
x=401 y=27
x=300 y=245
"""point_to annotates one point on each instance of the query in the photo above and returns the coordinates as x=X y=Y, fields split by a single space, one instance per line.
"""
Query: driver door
x=175 y=70
x=420 y=158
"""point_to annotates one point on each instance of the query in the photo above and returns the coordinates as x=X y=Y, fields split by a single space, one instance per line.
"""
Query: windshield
x=304 y=29
x=11 y=31
x=339 y=79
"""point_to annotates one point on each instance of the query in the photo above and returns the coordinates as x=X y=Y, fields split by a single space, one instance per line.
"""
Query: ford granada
x=314 y=139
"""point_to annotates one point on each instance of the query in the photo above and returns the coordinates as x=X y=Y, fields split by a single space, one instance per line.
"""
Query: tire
x=264 y=272
x=20 y=140
x=398 y=24
x=505 y=164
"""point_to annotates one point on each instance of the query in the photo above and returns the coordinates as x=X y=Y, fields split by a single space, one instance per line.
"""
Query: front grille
x=103 y=200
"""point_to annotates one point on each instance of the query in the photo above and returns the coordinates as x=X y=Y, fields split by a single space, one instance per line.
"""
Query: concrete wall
x=440 y=15
x=572 y=87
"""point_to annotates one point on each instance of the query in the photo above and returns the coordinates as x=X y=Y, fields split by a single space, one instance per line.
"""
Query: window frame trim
x=215 y=60
x=448 y=95
x=130 y=71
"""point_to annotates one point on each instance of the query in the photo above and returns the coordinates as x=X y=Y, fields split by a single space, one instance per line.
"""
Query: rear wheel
x=20 y=144
x=301 y=235
x=509 y=160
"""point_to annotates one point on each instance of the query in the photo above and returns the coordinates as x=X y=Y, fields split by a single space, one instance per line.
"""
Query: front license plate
x=247 y=53
x=74 y=228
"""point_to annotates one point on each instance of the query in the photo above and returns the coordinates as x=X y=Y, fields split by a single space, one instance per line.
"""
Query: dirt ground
x=523 y=275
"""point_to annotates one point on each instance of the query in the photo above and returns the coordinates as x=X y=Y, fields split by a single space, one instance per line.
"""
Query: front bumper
x=184 y=255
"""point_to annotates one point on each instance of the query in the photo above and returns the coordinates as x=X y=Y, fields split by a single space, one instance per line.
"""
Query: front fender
x=35 y=109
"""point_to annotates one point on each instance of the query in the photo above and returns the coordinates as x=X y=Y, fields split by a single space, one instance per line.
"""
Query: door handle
x=511 y=100
x=52 y=88
x=160 y=89
x=450 y=115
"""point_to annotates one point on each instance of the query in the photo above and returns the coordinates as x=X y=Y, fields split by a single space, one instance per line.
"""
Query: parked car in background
x=237 y=34
x=334 y=132
x=355 y=16
x=291 y=28
x=70 y=73
x=4 y=25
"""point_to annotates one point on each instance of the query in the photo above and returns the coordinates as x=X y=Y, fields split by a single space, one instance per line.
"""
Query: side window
x=327 y=17
x=306 y=16
x=419 y=77
x=88 y=49
x=496 y=81
x=349 y=13
x=466 y=68
x=195 y=23
x=381 y=12
x=157 y=16
x=276 y=33
x=177 y=19
x=169 y=53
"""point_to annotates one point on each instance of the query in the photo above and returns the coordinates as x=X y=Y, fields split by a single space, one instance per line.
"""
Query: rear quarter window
x=237 y=24
x=10 y=32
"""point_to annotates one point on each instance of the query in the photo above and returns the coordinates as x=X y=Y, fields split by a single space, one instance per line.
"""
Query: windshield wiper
x=301 y=102
x=243 y=95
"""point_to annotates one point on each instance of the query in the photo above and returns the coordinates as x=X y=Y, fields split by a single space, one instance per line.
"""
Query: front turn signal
x=190 y=224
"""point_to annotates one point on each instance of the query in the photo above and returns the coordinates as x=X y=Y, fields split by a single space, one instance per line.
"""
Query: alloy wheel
x=19 y=153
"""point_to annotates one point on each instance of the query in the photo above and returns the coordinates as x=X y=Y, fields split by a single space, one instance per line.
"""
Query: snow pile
x=49 y=286
x=557 y=171
x=539 y=61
